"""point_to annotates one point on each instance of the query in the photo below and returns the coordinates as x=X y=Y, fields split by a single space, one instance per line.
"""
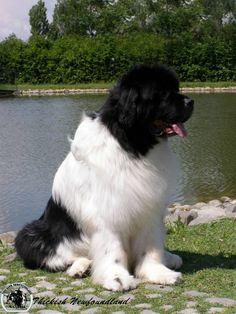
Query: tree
x=11 y=58
x=94 y=40
x=79 y=17
x=38 y=19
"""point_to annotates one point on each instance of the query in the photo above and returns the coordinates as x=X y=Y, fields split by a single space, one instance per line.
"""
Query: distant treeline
x=90 y=41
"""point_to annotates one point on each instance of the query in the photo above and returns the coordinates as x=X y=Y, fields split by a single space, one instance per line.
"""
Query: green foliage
x=98 y=40
x=10 y=58
x=38 y=19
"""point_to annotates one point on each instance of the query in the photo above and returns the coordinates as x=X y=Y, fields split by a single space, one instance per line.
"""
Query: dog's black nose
x=188 y=102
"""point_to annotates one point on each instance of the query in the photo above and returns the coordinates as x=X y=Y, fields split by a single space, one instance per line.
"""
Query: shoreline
x=81 y=91
x=190 y=215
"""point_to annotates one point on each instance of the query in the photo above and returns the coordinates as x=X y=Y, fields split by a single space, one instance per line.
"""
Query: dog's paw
x=79 y=268
x=120 y=283
x=159 y=274
x=117 y=279
x=173 y=261
x=168 y=277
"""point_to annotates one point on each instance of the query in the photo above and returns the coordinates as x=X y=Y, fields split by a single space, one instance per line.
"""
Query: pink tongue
x=179 y=129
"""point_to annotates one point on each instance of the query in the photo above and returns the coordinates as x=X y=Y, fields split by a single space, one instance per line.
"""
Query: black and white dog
x=110 y=193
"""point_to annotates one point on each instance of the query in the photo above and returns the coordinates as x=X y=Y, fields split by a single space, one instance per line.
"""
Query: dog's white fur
x=119 y=203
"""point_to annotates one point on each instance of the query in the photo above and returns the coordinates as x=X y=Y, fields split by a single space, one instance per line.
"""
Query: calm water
x=33 y=143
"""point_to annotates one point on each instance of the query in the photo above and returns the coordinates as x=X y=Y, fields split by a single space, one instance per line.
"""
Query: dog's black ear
x=128 y=107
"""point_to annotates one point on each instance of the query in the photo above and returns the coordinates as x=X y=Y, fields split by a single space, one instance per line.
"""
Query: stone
x=171 y=210
x=66 y=289
x=185 y=207
x=215 y=203
x=63 y=278
x=106 y=293
x=92 y=297
x=63 y=298
x=208 y=213
x=191 y=304
x=199 y=205
x=148 y=312
x=174 y=205
x=187 y=216
x=211 y=208
x=33 y=290
x=225 y=199
x=45 y=294
x=37 y=307
x=4 y=271
x=119 y=312
x=78 y=282
x=167 y=307
x=89 y=290
x=8 y=237
x=153 y=296
x=159 y=288
x=222 y=301
x=46 y=285
x=184 y=216
x=188 y=311
x=126 y=297
x=194 y=293
x=230 y=208
x=231 y=215
x=170 y=219
x=213 y=310
x=50 y=312
x=71 y=307
x=143 y=306
x=40 y=277
x=201 y=220
x=92 y=310
x=2 y=277
x=10 y=258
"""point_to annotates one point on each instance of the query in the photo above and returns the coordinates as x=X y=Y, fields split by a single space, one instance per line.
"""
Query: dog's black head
x=146 y=105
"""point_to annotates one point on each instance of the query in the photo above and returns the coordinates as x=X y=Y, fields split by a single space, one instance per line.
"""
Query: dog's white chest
x=99 y=183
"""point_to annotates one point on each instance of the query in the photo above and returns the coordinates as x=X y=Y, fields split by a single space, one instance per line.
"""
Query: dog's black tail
x=38 y=240
x=31 y=244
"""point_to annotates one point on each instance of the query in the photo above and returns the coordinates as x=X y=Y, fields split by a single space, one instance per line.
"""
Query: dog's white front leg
x=109 y=266
x=149 y=254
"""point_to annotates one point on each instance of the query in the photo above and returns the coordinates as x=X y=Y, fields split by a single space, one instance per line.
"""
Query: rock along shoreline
x=191 y=215
x=201 y=212
x=81 y=91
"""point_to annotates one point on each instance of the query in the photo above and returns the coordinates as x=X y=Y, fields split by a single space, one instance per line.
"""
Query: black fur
x=40 y=238
x=143 y=95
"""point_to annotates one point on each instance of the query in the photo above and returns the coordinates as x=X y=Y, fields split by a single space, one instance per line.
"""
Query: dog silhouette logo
x=16 y=297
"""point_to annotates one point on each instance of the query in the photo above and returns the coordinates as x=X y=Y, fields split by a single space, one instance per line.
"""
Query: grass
x=101 y=85
x=208 y=84
x=209 y=254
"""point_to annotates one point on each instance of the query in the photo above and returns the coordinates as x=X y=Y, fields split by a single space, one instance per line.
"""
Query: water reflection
x=208 y=153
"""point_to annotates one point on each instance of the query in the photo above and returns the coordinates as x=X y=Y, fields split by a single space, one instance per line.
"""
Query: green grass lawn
x=208 y=84
x=106 y=85
x=58 y=86
x=209 y=254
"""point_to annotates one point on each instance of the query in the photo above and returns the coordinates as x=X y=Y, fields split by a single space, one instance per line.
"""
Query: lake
x=33 y=143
